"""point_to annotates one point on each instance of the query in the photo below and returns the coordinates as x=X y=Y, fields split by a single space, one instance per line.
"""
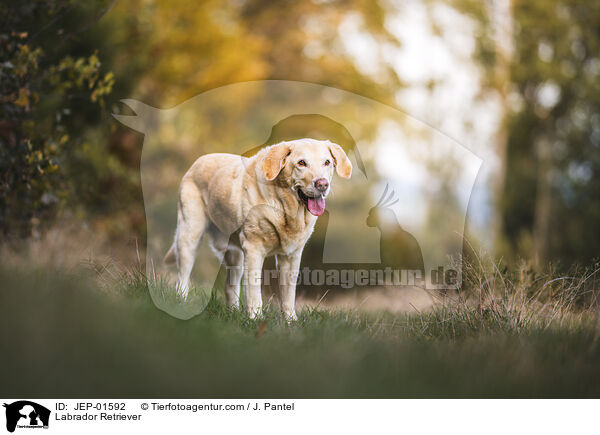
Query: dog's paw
x=291 y=316
x=255 y=313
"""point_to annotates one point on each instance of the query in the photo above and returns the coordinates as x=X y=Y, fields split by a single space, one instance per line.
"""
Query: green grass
x=69 y=335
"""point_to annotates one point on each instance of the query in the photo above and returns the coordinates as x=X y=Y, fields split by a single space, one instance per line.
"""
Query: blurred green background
x=515 y=81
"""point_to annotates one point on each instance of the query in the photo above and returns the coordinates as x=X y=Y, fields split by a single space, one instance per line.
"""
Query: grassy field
x=72 y=334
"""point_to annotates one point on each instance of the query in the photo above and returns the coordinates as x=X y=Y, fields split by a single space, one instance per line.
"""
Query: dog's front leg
x=253 y=263
x=288 y=266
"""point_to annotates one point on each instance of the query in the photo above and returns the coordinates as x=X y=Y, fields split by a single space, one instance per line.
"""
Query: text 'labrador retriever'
x=253 y=208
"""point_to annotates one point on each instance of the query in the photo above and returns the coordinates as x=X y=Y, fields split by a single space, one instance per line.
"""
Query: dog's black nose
x=322 y=184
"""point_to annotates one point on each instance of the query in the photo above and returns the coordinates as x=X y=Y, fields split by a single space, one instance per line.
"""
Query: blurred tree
x=46 y=99
x=549 y=200
x=200 y=46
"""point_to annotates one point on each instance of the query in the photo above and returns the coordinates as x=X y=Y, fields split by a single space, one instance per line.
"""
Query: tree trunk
x=502 y=15
x=543 y=203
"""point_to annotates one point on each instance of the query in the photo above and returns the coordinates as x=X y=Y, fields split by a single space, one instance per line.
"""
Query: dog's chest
x=295 y=232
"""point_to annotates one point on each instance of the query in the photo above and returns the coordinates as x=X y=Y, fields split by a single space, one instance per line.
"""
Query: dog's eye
x=301 y=163
x=327 y=163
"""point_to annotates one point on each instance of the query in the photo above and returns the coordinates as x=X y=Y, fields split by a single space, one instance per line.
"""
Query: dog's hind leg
x=232 y=258
x=191 y=224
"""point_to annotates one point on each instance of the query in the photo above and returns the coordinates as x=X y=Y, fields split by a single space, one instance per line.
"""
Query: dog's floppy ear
x=275 y=159
x=342 y=163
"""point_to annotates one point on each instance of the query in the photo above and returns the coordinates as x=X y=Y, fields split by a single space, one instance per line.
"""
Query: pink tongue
x=316 y=205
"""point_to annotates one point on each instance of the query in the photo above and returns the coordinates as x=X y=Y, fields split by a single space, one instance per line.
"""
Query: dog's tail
x=170 y=257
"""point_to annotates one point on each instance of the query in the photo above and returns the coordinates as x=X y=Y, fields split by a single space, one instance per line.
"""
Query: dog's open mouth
x=315 y=205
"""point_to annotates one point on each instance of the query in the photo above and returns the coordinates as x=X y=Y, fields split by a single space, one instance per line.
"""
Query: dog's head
x=306 y=166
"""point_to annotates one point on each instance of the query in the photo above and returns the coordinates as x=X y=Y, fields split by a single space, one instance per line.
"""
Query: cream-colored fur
x=251 y=209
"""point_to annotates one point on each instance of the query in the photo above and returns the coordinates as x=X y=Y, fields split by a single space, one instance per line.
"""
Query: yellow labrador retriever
x=253 y=208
